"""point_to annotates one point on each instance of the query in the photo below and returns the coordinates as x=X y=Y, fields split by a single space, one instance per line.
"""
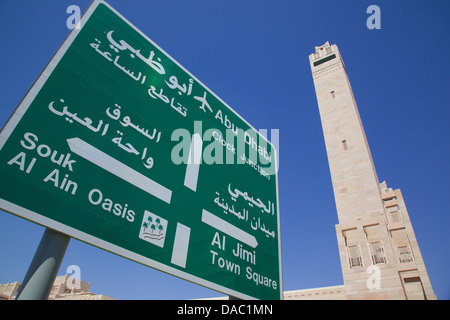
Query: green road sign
x=119 y=146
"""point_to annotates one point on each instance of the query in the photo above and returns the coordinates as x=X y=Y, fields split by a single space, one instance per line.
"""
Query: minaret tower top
x=355 y=182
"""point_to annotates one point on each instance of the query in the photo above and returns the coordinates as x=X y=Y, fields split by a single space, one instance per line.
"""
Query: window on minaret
x=405 y=254
x=378 y=254
x=400 y=238
x=344 y=144
x=375 y=244
x=354 y=256
x=394 y=214
x=332 y=94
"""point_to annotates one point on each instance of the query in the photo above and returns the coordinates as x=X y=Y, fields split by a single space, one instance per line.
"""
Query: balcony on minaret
x=323 y=54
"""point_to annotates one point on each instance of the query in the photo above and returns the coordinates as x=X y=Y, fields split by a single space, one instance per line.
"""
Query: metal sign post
x=44 y=267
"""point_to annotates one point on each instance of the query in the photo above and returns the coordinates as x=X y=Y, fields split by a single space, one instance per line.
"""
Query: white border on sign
x=74 y=233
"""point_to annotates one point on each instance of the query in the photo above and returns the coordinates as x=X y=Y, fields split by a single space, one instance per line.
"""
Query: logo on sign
x=153 y=229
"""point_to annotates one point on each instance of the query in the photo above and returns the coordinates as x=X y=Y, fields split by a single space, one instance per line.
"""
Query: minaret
x=379 y=254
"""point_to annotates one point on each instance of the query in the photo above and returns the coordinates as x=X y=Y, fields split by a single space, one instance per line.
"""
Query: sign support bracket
x=44 y=267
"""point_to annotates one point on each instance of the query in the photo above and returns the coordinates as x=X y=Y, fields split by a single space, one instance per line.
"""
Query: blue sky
x=254 y=55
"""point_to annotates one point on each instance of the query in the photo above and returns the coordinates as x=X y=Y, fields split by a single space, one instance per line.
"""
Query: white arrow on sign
x=227 y=228
x=117 y=168
x=194 y=159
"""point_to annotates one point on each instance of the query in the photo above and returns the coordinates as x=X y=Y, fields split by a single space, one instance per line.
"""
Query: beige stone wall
x=324 y=293
x=8 y=290
x=61 y=290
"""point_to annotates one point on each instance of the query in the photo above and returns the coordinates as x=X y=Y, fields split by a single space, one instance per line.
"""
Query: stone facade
x=379 y=253
x=64 y=288
x=324 y=293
